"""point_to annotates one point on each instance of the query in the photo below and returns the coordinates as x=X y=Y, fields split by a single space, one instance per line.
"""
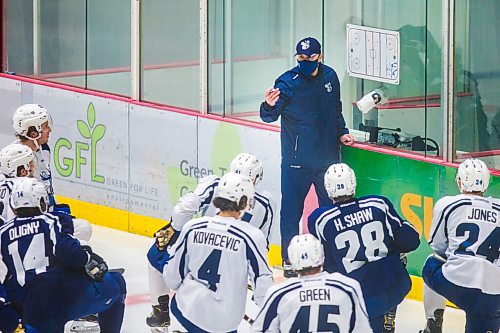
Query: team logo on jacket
x=305 y=44
x=328 y=87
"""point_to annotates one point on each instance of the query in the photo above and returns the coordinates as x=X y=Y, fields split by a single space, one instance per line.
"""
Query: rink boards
x=124 y=164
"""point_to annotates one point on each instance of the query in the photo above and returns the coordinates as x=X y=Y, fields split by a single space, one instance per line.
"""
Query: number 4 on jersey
x=209 y=270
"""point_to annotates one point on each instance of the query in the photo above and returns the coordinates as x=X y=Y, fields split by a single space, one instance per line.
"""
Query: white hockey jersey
x=466 y=230
x=200 y=200
x=42 y=168
x=316 y=303
x=210 y=266
x=6 y=213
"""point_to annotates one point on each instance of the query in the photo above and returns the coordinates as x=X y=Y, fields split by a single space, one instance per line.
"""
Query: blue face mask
x=307 y=67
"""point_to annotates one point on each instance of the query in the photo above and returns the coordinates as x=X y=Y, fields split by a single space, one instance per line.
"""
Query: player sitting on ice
x=364 y=238
x=465 y=235
x=315 y=301
x=48 y=274
x=33 y=125
x=214 y=258
x=16 y=161
x=260 y=215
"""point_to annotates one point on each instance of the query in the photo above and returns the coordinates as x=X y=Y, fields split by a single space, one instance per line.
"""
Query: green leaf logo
x=83 y=128
x=91 y=115
x=98 y=132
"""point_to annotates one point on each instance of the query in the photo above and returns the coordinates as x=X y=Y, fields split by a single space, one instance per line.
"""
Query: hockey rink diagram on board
x=373 y=54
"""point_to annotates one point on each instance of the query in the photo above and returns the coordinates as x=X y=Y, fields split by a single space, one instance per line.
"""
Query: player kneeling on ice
x=48 y=274
x=16 y=162
x=465 y=235
x=33 y=124
x=315 y=301
x=260 y=214
x=212 y=261
x=364 y=238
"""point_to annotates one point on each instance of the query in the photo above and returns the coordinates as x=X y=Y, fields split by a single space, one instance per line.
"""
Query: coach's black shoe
x=434 y=325
x=160 y=316
x=288 y=272
x=390 y=321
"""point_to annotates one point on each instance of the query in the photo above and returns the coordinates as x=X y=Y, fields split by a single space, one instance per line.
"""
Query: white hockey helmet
x=28 y=192
x=305 y=251
x=248 y=165
x=233 y=186
x=340 y=180
x=474 y=176
x=13 y=156
x=30 y=115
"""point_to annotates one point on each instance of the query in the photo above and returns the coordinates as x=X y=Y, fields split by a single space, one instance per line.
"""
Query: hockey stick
x=438 y=257
x=117 y=270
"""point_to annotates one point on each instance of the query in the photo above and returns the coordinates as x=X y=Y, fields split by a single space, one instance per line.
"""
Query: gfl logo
x=90 y=131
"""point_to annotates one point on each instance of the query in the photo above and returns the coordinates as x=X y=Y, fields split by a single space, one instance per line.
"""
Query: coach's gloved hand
x=62 y=208
x=96 y=267
x=9 y=319
x=166 y=236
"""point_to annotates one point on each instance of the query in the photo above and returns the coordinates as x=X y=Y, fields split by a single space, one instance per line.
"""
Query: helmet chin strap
x=35 y=140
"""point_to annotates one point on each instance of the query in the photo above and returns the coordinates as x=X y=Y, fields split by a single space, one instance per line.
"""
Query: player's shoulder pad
x=449 y=199
x=194 y=221
x=210 y=179
x=265 y=196
x=320 y=210
x=373 y=196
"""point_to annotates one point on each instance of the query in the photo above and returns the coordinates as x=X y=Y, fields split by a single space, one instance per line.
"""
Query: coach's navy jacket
x=311 y=117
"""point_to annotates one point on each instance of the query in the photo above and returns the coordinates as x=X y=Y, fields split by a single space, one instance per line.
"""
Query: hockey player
x=16 y=161
x=33 y=125
x=465 y=235
x=364 y=238
x=48 y=273
x=260 y=215
x=315 y=301
x=214 y=258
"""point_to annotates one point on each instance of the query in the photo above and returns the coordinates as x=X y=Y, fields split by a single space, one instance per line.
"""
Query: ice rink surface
x=122 y=249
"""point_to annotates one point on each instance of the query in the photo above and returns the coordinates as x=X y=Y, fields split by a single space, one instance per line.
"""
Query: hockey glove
x=158 y=259
x=62 y=208
x=166 y=236
x=96 y=267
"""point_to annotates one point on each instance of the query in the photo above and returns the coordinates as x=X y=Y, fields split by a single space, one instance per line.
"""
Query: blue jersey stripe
x=343 y=287
x=272 y=311
x=212 y=187
x=250 y=241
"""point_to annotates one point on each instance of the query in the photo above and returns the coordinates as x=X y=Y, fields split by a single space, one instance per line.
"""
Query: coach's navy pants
x=295 y=184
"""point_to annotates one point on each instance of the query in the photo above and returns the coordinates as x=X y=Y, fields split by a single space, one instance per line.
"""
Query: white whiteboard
x=373 y=54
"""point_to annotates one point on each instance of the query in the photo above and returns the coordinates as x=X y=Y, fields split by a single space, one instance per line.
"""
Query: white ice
x=122 y=249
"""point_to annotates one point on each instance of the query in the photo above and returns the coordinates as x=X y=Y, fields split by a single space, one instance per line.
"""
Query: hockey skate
x=434 y=325
x=159 y=318
x=89 y=324
x=288 y=272
x=390 y=321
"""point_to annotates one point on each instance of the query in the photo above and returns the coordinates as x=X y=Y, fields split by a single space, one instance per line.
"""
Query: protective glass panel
x=477 y=81
x=250 y=44
x=409 y=114
x=170 y=52
x=79 y=43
